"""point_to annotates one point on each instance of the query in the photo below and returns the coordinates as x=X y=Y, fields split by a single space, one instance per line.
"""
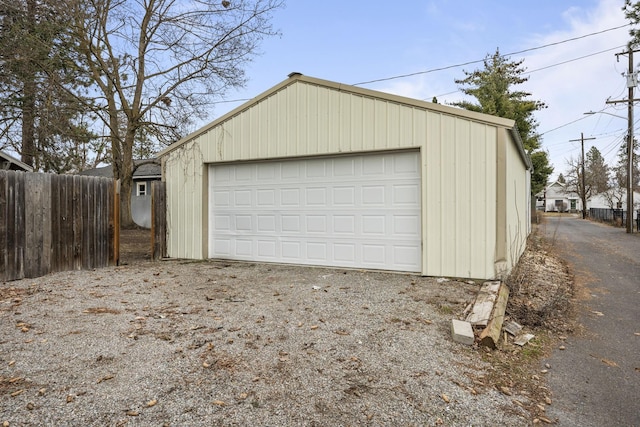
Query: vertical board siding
x=517 y=206
x=460 y=185
x=50 y=223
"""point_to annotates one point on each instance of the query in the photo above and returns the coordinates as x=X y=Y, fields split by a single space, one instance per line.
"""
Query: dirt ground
x=190 y=343
x=135 y=245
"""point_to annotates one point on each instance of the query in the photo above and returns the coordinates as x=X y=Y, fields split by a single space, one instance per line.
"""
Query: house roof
x=144 y=171
x=11 y=163
x=295 y=78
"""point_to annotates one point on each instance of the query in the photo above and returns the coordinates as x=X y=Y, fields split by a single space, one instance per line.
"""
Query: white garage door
x=349 y=211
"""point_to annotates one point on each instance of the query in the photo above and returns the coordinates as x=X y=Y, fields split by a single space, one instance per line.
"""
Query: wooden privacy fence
x=52 y=223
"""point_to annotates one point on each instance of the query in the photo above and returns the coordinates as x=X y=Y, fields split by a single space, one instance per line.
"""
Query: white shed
x=321 y=173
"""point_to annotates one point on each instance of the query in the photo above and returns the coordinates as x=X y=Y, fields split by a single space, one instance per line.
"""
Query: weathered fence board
x=54 y=223
x=158 y=220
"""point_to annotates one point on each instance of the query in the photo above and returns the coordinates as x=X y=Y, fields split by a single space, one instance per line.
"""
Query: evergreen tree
x=620 y=170
x=541 y=171
x=42 y=110
x=632 y=13
x=596 y=171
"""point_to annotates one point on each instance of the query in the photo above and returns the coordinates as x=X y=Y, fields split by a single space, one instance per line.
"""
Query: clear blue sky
x=353 y=41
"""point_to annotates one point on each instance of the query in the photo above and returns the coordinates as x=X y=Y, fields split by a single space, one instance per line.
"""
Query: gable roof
x=144 y=171
x=297 y=78
x=11 y=163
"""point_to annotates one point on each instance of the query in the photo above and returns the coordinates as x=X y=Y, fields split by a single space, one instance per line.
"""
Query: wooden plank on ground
x=490 y=336
x=483 y=304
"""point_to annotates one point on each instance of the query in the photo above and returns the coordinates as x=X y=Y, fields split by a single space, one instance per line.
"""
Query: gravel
x=178 y=343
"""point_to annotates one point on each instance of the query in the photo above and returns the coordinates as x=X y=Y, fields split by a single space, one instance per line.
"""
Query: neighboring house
x=143 y=176
x=321 y=173
x=557 y=198
x=8 y=162
x=614 y=199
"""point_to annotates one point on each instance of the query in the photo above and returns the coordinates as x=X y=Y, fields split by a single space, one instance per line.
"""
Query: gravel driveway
x=210 y=343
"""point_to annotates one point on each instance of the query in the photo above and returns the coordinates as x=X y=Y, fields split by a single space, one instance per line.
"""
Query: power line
x=548 y=66
x=576 y=59
x=482 y=60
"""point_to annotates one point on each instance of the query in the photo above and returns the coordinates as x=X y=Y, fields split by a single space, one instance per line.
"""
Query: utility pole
x=583 y=193
x=632 y=82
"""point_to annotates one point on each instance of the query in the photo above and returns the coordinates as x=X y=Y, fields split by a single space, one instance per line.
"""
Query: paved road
x=596 y=380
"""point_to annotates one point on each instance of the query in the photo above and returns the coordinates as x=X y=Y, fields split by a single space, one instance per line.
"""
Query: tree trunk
x=126 y=179
x=28 y=146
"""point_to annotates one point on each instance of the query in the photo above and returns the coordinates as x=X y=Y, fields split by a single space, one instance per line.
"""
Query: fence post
x=158 y=220
x=116 y=222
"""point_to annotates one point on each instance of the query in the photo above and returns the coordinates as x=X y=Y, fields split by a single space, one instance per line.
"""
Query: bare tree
x=596 y=176
x=615 y=197
x=574 y=182
x=157 y=65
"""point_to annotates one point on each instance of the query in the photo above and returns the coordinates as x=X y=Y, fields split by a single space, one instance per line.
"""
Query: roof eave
x=16 y=162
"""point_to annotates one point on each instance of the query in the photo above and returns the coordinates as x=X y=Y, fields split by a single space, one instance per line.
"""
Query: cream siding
x=460 y=189
x=517 y=206
x=307 y=117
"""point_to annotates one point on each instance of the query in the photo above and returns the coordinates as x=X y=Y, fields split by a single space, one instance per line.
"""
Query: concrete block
x=462 y=332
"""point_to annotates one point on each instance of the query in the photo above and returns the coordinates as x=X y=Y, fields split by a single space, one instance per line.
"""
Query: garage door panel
x=350 y=211
x=406 y=225
x=406 y=163
x=266 y=223
x=290 y=197
x=374 y=254
x=316 y=196
x=373 y=195
x=316 y=169
x=344 y=167
x=316 y=224
x=344 y=252
x=242 y=198
x=243 y=248
x=373 y=225
x=317 y=251
x=344 y=224
x=344 y=196
x=222 y=222
x=265 y=198
x=406 y=195
x=268 y=249
x=291 y=224
x=373 y=165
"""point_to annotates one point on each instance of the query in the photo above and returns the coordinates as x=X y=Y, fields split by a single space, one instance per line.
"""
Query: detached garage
x=319 y=173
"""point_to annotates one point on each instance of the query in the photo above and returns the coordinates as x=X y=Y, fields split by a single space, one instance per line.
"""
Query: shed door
x=349 y=211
